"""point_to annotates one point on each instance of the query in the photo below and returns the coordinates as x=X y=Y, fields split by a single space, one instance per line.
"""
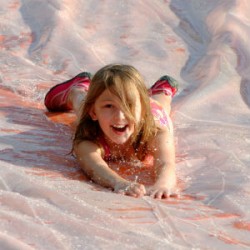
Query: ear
x=93 y=114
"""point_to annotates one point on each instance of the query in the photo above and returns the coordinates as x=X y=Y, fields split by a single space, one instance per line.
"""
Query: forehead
x=106 y=95
x=132 y=96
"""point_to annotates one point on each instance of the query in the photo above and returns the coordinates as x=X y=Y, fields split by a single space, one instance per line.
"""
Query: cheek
x=104 y=116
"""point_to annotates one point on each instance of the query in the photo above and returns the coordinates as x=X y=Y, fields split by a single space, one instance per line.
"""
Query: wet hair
x=120 y=80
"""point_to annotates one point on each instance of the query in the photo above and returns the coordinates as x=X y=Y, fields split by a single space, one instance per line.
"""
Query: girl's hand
x=130 y=188
x=164 y=188
x=161 y=192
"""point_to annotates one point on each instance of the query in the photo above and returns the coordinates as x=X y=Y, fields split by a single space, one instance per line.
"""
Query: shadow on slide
x=30 y=140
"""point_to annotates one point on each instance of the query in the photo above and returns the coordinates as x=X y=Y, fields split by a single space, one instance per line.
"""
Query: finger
x=120 y=192
x=158 y=195
x=134 y=192
x=134 y=195
x=166 y=194
x=143 y=189
x=152 y=193
x=130 y=193
x=140 y=191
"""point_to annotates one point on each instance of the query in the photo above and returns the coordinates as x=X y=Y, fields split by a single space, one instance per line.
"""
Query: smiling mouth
x=119 y=128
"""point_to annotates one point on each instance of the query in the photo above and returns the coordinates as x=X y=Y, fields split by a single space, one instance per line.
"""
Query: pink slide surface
x=46 y=201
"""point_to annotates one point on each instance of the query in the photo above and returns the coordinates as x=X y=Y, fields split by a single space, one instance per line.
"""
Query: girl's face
x=107 y=111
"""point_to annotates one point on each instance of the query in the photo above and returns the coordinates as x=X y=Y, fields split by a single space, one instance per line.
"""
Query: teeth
x=119 y=126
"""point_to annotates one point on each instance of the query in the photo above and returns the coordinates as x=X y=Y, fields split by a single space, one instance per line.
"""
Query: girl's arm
x=89 y=157
x=164 y=162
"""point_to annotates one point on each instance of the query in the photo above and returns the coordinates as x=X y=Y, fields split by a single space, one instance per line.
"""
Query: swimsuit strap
x=103 y=143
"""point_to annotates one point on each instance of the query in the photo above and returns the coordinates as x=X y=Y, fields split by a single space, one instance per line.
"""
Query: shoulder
x=89 y=156
x=87 y=147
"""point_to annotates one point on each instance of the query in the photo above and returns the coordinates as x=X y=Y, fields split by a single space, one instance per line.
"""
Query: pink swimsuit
x=159 y=116
x=159 y=113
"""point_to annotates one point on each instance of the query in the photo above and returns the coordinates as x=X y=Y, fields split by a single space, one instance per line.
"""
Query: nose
x=119 y=114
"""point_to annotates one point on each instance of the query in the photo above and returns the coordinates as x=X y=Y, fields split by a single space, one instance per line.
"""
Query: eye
x=108 y=106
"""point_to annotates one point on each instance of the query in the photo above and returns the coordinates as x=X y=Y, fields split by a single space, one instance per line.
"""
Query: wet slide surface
x=46 y=200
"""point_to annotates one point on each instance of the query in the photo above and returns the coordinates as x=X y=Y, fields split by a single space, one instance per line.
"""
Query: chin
x=120 y=142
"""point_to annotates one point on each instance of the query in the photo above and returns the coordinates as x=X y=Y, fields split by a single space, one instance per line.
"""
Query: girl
x=120 y=120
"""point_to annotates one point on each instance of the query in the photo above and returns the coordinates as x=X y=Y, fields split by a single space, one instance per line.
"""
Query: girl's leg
x=163 y=91
x=162 y=113
x=164 y=100
x=68 y=95
x=76 y=99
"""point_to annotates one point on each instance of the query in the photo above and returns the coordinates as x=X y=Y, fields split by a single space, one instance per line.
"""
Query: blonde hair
x=120 y=80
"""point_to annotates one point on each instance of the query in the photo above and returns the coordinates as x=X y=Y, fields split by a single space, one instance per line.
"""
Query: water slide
x=46 y=200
